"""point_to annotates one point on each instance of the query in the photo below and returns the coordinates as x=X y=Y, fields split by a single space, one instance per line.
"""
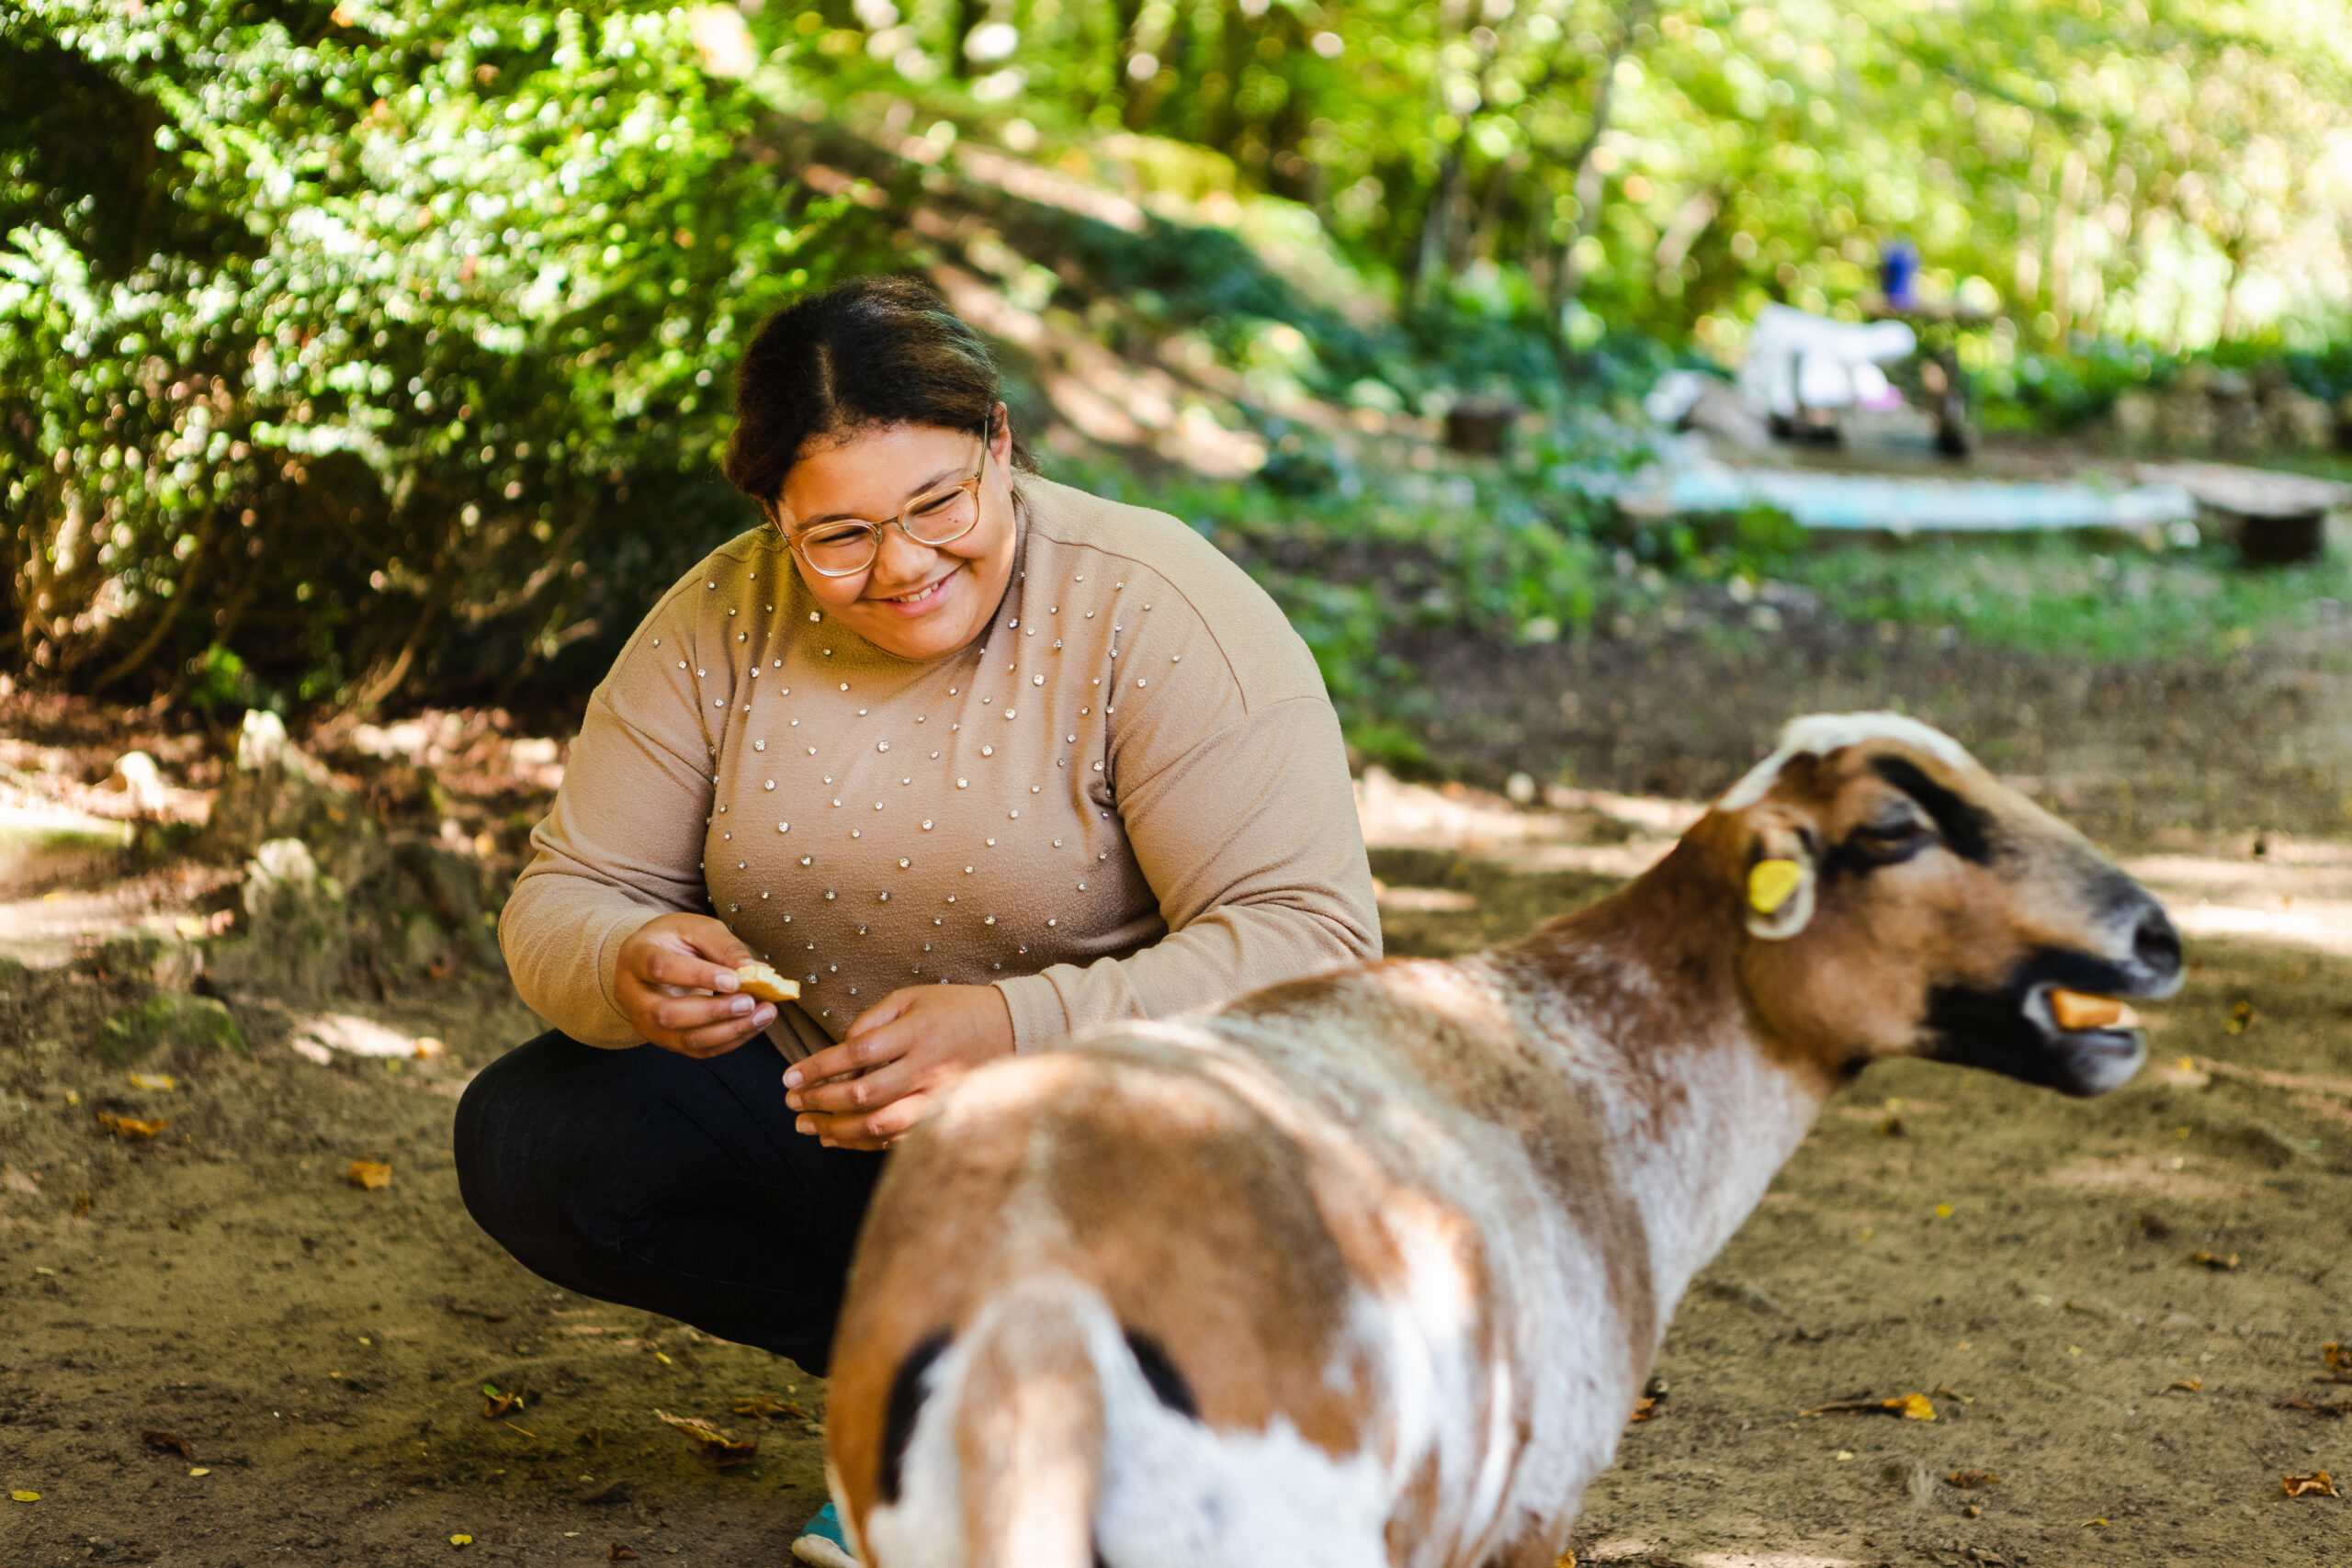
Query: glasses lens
x=838 y=547
x=942 y=517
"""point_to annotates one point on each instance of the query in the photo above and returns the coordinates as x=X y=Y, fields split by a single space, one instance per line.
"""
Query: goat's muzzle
x=2022 y=1029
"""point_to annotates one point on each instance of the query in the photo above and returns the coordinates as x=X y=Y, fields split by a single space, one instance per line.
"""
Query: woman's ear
x=1779 y=888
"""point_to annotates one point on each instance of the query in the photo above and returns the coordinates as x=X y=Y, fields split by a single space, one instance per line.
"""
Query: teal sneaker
x=822 y=1542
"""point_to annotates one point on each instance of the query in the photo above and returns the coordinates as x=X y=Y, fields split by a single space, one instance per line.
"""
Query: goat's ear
x=1780 y=880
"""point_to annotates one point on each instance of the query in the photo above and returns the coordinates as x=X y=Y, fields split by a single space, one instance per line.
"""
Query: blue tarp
x=1906 y=505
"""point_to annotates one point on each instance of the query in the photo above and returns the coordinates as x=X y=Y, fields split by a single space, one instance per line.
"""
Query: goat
x=1368 y=1269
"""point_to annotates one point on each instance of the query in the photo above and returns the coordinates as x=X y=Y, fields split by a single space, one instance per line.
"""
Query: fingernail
x=792 y=1078
x=793 y=1100
x=804 y=1125
x=739 y=1006
x=765 y=1016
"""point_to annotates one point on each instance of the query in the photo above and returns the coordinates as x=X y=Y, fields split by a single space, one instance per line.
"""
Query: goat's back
x=1354 y=1218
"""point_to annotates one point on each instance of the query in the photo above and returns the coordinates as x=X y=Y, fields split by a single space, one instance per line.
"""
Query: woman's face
x=918 y=601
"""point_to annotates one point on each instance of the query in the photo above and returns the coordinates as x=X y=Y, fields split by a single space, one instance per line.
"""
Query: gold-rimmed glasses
x=843 y=546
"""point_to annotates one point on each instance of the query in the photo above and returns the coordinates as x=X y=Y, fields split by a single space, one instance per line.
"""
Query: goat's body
x=1418 y=1232
x=1367 y=1269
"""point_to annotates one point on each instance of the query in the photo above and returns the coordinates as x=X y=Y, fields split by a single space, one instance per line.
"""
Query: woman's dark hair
x=873 y=351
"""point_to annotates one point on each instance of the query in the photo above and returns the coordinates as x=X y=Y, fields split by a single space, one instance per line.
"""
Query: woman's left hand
x=868 y=1091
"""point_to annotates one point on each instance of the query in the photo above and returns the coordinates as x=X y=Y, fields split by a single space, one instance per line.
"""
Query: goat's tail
x=1029 y=1428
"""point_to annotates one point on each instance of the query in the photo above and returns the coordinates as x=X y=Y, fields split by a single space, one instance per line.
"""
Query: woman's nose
x=897 y=558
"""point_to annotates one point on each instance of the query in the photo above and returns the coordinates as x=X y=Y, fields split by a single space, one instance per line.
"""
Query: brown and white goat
x=1367 y=1269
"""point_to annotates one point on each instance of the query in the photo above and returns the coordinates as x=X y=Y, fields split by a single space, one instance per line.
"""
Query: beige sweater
x=1129 y=799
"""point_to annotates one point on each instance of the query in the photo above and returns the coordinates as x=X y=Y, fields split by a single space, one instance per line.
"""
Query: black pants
x=658 y=1181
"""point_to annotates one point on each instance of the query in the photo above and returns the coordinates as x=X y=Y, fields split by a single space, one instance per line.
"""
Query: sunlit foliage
x=363 y=339
x=2177 y=169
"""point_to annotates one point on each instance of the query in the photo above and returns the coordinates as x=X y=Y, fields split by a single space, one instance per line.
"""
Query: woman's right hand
x=677 y=986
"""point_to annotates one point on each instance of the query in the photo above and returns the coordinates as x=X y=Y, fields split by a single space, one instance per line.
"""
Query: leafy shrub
x=347 y=349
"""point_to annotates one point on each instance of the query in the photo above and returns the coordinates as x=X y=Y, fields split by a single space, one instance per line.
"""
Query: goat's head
x=1901 y=901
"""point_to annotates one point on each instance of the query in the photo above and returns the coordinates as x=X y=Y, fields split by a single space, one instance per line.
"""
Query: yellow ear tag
x=1772 y=883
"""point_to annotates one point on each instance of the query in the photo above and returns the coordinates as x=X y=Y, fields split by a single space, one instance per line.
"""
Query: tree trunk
x=1437 y=227
x=1568 y=278
x=969 y=14
x=1479 y=243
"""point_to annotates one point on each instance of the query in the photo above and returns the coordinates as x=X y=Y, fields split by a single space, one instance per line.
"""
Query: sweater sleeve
x=623 y=842
x=1230 y=779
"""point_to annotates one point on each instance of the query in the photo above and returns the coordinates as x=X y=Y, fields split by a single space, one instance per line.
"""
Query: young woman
x=977 y=759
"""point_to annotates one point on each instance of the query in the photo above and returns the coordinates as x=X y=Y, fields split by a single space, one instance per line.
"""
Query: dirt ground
x=2126 y=750
x=2104 y=1302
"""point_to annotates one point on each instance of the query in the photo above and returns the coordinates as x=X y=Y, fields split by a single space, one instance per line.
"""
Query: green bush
x=343 y=350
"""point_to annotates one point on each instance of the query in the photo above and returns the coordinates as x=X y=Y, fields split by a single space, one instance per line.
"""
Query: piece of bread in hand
x=761 y=980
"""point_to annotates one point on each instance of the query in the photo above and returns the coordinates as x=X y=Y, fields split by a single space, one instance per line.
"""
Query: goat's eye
x=1895 y=836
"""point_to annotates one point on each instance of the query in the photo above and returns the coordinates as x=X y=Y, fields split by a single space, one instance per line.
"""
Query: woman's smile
x=921 y=601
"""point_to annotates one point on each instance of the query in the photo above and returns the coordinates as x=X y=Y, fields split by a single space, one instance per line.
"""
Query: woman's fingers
x=860 y=1093
x=709 y=937
x=871 y=1130
x=677 y=1014
x=881 y=1012
x=872 y=1049
x=668 y=967
x=717 y=1039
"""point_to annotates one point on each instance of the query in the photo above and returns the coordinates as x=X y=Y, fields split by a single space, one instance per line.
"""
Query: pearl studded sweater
x=1127 y=799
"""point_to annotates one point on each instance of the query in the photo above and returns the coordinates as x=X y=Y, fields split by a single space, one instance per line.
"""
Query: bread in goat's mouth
x=2076 y=1009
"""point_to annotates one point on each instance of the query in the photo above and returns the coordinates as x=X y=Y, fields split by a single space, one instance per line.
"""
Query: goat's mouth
x=2078 y=1040
x=2095 y=1040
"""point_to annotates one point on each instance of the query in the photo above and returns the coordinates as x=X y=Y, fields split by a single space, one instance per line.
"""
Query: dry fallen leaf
x=21 y=1495
x=170 y=1442
x=1643 y=1409
x=759 y=1405
x=2215 y=1261
x=2339 y=1362
x=2315 y=1485
x=368 y=1174
x=130 y=1127
x=152 y=1080
x=616 y=1552
x=2189 y=1385
x=497 y=1406
x=461 y=1541
x=2316 y=1406
x=722 y=1446
x=1965 y=1479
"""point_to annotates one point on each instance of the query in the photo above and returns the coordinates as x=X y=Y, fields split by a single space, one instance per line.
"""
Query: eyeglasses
x=844 y=547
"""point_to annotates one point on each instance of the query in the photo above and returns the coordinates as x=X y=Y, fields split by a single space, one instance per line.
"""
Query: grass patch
x=2070 y=595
